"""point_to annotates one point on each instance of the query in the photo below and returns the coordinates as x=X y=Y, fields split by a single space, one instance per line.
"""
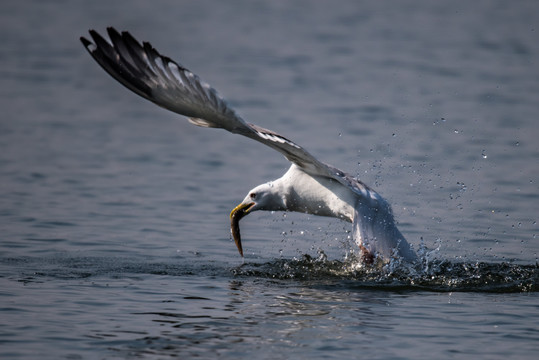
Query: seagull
x=309 y=186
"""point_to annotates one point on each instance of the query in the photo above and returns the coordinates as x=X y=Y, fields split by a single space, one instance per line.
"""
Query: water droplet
x=456 y=131
x=483 y=154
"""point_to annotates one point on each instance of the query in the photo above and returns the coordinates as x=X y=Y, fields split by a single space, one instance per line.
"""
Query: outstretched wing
x=141 y=69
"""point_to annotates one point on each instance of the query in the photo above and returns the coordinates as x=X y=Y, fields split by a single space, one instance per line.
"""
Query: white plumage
x=309 y=186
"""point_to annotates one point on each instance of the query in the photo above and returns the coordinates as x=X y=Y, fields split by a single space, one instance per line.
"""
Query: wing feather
x=143 y=70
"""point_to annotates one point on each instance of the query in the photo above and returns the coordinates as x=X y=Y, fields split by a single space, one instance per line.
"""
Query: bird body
x=317 y=195
x=309 y=186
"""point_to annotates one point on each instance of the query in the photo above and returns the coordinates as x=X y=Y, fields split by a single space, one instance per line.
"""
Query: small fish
x=235 y=216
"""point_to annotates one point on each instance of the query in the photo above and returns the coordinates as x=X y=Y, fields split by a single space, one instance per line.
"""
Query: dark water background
x=114 y=239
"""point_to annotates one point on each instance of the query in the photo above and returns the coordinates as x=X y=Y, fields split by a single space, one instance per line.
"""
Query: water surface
x=114 y=213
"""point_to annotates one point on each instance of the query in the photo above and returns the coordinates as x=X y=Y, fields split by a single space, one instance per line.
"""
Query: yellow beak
x=235 y=216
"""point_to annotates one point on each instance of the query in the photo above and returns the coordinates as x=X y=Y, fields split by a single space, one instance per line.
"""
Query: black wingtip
x=85 y=41
x=93 y=33
x=112 y=32
x=90 y=46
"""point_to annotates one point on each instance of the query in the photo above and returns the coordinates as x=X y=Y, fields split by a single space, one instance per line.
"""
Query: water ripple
x=436 y=275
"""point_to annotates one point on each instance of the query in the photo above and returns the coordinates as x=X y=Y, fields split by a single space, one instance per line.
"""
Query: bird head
x=262 y=197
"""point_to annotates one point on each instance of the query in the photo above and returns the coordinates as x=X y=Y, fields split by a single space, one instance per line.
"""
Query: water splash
x=427 y=274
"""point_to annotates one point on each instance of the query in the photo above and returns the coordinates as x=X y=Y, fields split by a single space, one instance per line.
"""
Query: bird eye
x=252 y=196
